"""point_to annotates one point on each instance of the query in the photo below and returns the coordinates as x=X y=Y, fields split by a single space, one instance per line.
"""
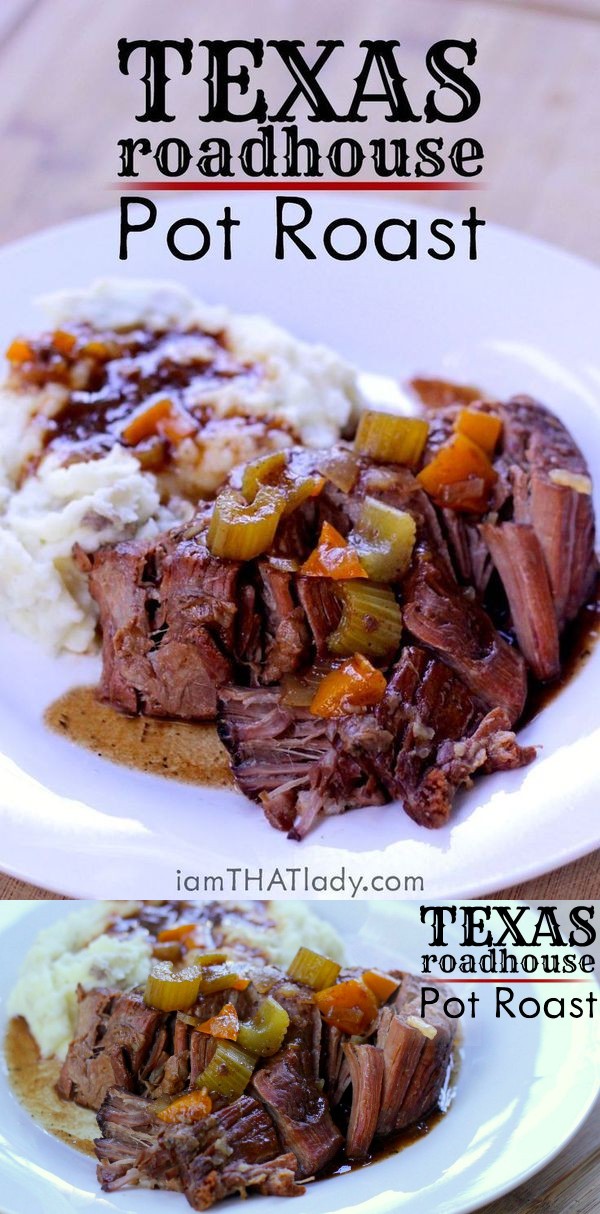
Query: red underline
x=505 y=981
x=301 y=187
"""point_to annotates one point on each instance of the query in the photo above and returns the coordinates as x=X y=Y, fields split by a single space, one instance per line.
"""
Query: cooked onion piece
x=415 y=1022
x=571 y=480
x=341 y=467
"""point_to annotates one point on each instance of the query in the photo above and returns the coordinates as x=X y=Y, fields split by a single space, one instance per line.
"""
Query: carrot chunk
x=19 y=351
x=382 y=985
x=194 y=1106
x=161 y=417
x=63 y=342
x=355 y=684
x=333 y=557
x=225 y=1024
x=482 y=428
x=179 y=932
x=349 y=1006
x=459 y=461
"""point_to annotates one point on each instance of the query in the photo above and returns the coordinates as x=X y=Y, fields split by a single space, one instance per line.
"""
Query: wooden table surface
x=63 y=110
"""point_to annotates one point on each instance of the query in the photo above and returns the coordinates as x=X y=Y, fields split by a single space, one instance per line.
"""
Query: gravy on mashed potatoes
x=135 y=404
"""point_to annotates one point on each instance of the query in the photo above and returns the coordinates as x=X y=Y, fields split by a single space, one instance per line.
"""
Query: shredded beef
x=426 y=739
x=231 y=1151
x=167 y=612
x=113 y=1038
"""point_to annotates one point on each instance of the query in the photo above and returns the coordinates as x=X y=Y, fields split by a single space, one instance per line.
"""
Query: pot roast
x=485 y=598
x=333 y=1091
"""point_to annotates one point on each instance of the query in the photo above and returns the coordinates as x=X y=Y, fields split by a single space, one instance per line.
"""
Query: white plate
x=524 y=1087
x=521 y=318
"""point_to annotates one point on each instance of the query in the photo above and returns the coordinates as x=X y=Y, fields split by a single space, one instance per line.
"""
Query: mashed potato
x=78 y=951
x=92 y=503
x=306 y=389
x=75 y=950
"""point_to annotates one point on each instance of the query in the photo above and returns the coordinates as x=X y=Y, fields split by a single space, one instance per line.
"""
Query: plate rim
x=466 y=885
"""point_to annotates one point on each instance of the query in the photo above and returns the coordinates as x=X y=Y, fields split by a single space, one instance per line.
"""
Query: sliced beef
x=470 y=554
x=552 y=533
x=322 y=607
x=152 y=1072
x=539 y=533
x=288 y=1086
x=401 y=1047
x=442 y=736
x=287 y=645
x=438 y=614
x=417 y=1056
x=248 y=638
x=283 y=1127
x=294 y=763
x=431 y=1072
x=334 y=1064
x=82 y=1078
x=366 y=1067
x=113 y=1038
x=272 y=748
x=167 y=614
x=188 y=635
x=227 y=1152
x=171 y=1077
x=517 y=554
x=272 y=1178
x=296 y=533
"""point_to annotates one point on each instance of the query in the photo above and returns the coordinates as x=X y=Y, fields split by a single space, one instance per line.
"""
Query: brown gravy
x=180 y=750
x=32 y=1079
x=577 y=643
x=107 y=376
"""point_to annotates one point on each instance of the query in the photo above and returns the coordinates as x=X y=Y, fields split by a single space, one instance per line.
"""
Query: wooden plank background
x=62 y=111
